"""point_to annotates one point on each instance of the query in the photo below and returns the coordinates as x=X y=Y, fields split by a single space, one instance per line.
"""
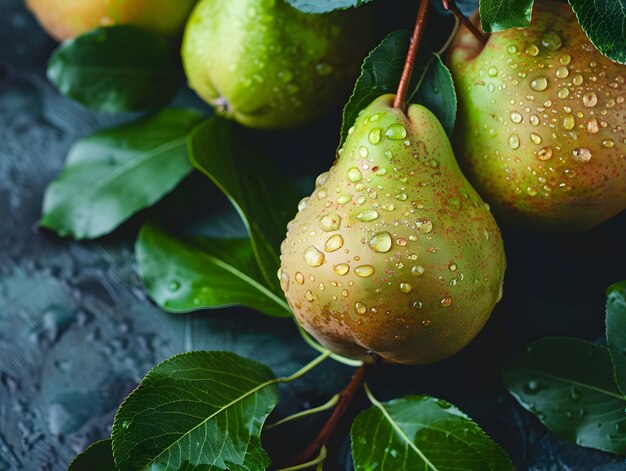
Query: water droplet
x=577 y=80
x=574 y=395
x=562 y=72
x=532 y=191
x=334 y=242
x=551 y=41
x=492 y=72
x=569 y=122
x=532 y=50
x=563 y=92
x=417 y=270
x=174 y=285
x=367 y=215
x=341 y=269
x=363 y=152
x=592 y=126
x=512 y=49
x=354 y=175
x=516 y=117
x=452 y=266
x=539 y=83
x=381 y=242
x=360 y=308
x=545 y=153
x=405 y=287
x=590 y=99
x=565 y=59
x=532 y=387
x=396 y=132
x=343 y=199
x=313 y=257
x=445 y=302
x=514 y=141
x=582 y=154
x=309 y=295
x=608 y=143
x=424 y=225
x=364 y=271
x=374 y=136
x=330 y=222
x=126 y=424
x=534 y=120
x=299 y=277
x=302 y=203
x=536 y=138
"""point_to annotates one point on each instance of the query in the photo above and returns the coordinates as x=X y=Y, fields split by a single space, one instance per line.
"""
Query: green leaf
x=184 y=275
x=115 y=69
x=436 y=92
x=197 y=410
x=265 y=201
x=604 y=21
x=431 y=83
x=569 y=385
x=97 y=456
x=421 y=432
x=616 y=331
x=500 y=15
x=325 y=6
x=112 y=174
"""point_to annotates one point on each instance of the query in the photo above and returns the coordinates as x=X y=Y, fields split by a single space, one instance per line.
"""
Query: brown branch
x=478 y=34
x=405 y=79
x=345 y=399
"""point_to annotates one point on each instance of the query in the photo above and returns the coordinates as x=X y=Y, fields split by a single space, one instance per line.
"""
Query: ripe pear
x=540 y=129
x=394 y=252
x=268 y=65
x=64 y=19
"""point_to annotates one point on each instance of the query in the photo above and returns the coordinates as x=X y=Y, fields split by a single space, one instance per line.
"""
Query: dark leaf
x=499 y=15
x=616 y=331
x=97 y=456
x=184 y=275
x=197 y=410
x=112 y=174
x=569 y=385
x=421 y=432
x=265 y=201
x=115 y=69
x=604 y=21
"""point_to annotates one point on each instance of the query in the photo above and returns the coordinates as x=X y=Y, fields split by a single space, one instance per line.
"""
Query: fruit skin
x=562 y=192
x=64 y=19
x=445 y=249
x=268 y=65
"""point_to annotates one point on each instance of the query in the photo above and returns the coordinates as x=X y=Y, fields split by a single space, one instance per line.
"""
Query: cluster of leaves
x=209 y=408
x=577 y=388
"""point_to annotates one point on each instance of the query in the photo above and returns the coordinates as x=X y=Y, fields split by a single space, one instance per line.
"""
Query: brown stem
x=345 y=399
x=478 y=34
x=405 y=79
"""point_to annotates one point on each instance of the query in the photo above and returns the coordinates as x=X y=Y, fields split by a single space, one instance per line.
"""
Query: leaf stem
x=345 y=399
x=306 y=368
x=405 y=79
x=332 y=402
x=320 y=459
x=478 y=34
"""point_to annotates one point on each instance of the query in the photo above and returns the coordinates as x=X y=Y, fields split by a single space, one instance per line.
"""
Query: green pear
x=268 y=65
x=540 y=130
x=394 y=252
x=64 y=19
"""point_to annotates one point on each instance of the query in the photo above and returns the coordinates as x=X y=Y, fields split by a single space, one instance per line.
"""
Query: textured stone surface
x=77 y=331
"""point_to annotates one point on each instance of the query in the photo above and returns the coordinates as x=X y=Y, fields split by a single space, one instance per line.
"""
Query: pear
x=540 y=130
x=267 y=65
x=64 y=19
x=394 y=252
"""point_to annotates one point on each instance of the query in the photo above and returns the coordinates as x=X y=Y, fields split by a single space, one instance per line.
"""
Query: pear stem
x=345 y=399
x=478 y=34
x=405 y=79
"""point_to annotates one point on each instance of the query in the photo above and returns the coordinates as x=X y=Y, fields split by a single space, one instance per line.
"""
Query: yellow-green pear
x=541 y=122
x=268 y=65
x=394 y=252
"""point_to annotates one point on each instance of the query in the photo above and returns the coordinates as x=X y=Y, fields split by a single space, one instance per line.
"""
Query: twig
x=478 y=34
x=345 y=399
x=405 y=79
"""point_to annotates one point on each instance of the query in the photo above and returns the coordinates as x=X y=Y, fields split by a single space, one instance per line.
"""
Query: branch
x=345 y=399
x=405 y=79
x=478 y=34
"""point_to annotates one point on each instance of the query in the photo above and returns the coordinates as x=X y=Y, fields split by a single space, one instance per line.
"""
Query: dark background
x=77 y=331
